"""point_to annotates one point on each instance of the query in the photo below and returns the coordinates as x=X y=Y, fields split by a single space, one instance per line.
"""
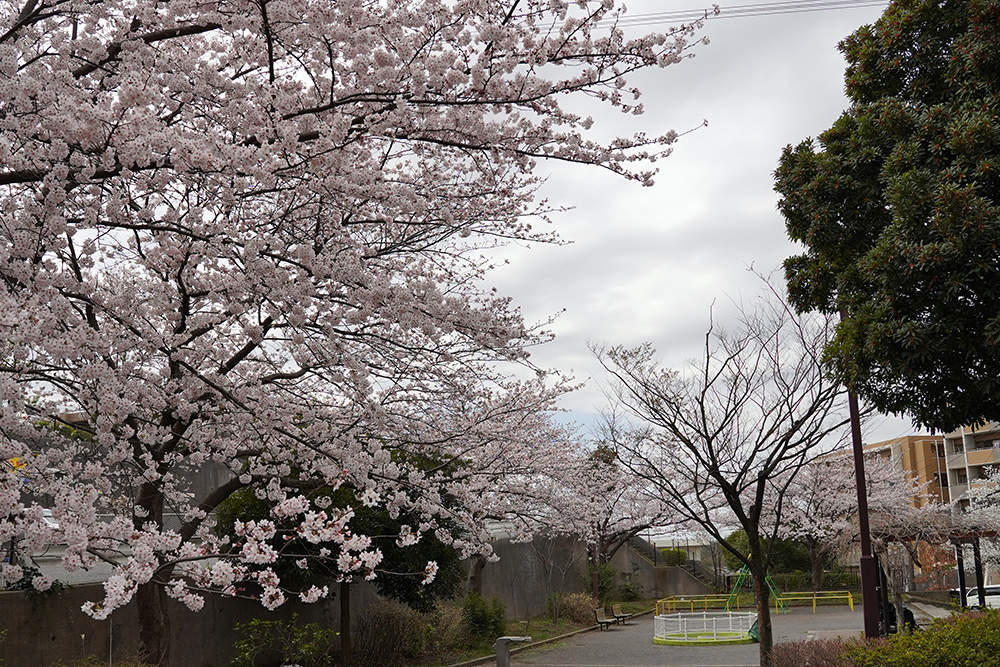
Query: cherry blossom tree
x=250 y=236
x=587 y=494
x=722 y=439
x=618 y=504
x=820 y=505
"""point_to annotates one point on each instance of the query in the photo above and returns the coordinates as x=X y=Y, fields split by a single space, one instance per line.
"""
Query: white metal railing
x=703 y=626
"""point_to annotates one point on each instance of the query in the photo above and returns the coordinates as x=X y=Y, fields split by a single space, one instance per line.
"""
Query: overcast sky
x=646 y=264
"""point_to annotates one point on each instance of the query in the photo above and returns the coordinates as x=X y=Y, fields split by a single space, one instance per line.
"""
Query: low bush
x=308 y=645
x=389 y=633
x=813 y=653
x=579 y=607
x=606 y=577
x=94 y=661
x=445 y=630
x=484 y=621
x=963 y=640
x=673 y=556
x=629 y=591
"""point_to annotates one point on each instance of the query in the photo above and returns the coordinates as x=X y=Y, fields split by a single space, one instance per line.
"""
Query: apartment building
x=970 y=452
x=922 y=456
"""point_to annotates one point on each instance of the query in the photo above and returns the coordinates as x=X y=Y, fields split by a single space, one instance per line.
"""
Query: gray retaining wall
x=42 y=629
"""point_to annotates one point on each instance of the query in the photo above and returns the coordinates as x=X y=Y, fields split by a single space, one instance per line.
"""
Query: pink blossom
x=429 y=572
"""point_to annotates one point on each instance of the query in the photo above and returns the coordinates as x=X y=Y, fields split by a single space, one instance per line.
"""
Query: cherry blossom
x=252 y=239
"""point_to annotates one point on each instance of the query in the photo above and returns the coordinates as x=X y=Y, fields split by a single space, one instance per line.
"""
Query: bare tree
x=722 y=439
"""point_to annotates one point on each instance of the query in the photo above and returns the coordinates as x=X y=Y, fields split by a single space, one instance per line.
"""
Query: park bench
x=616 y=611
x=603 y=620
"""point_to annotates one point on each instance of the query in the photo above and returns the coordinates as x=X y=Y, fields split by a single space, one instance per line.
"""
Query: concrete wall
x=44 y=628
x=527 y=573
x=656 y=582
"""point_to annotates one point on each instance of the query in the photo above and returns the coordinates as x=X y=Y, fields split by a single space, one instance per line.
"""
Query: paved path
x=632 y=645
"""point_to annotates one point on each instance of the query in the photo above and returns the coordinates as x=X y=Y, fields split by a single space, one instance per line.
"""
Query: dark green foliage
x=964 y=640
x=786 y=555
x=484 y=620
x=629 y=591
x=401 y=569
x=898 y=207
x=25 y=582
x=307 y=645
x=606 y=576
x=407 y=588
x=673 y=556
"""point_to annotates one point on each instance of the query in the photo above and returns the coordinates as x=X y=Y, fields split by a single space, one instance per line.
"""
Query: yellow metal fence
x=691 y=603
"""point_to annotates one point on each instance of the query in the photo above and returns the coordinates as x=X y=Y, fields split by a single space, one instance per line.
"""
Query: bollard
x=503 y=649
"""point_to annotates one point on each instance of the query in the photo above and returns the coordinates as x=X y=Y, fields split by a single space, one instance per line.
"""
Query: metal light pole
x=869 y=574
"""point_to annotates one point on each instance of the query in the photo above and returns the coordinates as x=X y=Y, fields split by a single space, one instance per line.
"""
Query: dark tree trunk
x=816 y=561
x=154 y=625
x=475 y=583
x=765 y=634
x=150 y=598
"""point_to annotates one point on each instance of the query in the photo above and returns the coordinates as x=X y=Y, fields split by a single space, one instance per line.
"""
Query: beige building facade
x=922 y=456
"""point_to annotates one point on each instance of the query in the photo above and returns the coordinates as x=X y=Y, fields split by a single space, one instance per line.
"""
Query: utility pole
x=869 y=573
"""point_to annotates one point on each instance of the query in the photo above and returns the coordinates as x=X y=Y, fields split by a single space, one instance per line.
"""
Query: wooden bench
x=603 y=620
x=620 y=616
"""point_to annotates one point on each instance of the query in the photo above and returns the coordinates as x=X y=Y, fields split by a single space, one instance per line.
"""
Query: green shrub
x=307 y=645
x=963 y=640
x=579 y=607
x=606 y=576
x=799 y=581
x=445 y=630
x=629 y=591
x=389 y=633
x=673 y=556
x=484 y=621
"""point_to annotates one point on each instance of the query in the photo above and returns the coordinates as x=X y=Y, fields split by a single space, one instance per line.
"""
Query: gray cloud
x=646 y=264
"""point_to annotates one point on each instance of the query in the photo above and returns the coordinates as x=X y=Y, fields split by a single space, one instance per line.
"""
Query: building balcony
x=956 y=460
x=981 y=457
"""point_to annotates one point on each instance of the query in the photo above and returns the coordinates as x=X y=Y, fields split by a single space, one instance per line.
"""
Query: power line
x=739 y=11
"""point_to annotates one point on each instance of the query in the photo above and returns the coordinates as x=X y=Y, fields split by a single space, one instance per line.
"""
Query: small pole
x=978 y=559
x=502 y=646
x=960 y=563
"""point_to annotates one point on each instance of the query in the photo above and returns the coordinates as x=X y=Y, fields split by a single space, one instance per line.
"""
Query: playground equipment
x=745 y=577
x=705 y=627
